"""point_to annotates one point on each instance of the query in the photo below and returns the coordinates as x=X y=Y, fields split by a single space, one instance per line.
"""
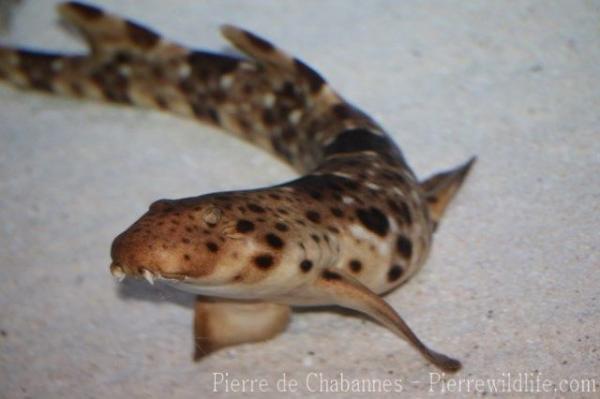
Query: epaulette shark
x=355 y=225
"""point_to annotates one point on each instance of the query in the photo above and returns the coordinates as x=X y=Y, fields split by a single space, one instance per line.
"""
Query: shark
x=355 y=224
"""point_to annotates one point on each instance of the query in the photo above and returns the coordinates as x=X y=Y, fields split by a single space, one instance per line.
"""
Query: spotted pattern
x=374 y=220
x=357 y=213
x=274 y=241
x=355 y=265
x=264 y=261
x=244 y=226
x=395 y=273
x=306 y=265
x=404 y=246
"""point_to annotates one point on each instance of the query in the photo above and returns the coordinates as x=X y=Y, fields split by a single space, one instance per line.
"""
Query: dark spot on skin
x=219 y=97
x=237 y=277
x=186 y=257
x=316 y=195
x=404 y=246
x=306 y=265
x=212 y=247
x=395 y=273
x=114 y=86
x=213 y=115
x=281 y=227
x=315 y=238
x=158 y=72
x=346 y=111
x=38 y=68
x=141 y=36
x=268 y=117
x=289 y=133
x=350 y=184
x=356 y=140
x=122 y=57
x=287 y=90
x=185 y=240
x=341 y=110
x=203 y=64
x=259 y=43
x=374 y=220
x=333 y=229
x=263 y=261
x=207 y=114
x=274 y=241
x=329 y=275
x=313 y=216
x=355 y=265
x=256 y=208
x=337 y=212
x=86 y=11
x=315 y=81
x=244 y=226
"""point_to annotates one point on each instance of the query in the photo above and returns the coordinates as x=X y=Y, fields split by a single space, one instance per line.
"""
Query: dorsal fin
x=107 y=33
x=440 y=188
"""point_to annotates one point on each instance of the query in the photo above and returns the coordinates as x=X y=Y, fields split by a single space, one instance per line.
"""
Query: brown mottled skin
x=354 y=226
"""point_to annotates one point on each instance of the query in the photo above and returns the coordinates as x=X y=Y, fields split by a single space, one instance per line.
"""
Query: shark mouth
x=119 y=273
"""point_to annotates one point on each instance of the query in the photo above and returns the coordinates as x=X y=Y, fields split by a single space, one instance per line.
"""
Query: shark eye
x=211 y=215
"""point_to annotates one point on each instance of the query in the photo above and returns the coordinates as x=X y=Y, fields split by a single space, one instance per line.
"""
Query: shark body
x=355 y=225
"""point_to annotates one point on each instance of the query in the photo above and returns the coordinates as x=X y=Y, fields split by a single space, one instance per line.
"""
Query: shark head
x=228 y=244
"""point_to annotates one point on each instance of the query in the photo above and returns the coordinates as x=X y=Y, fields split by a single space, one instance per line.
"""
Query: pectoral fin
x=335 y=287
x=219 y=323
